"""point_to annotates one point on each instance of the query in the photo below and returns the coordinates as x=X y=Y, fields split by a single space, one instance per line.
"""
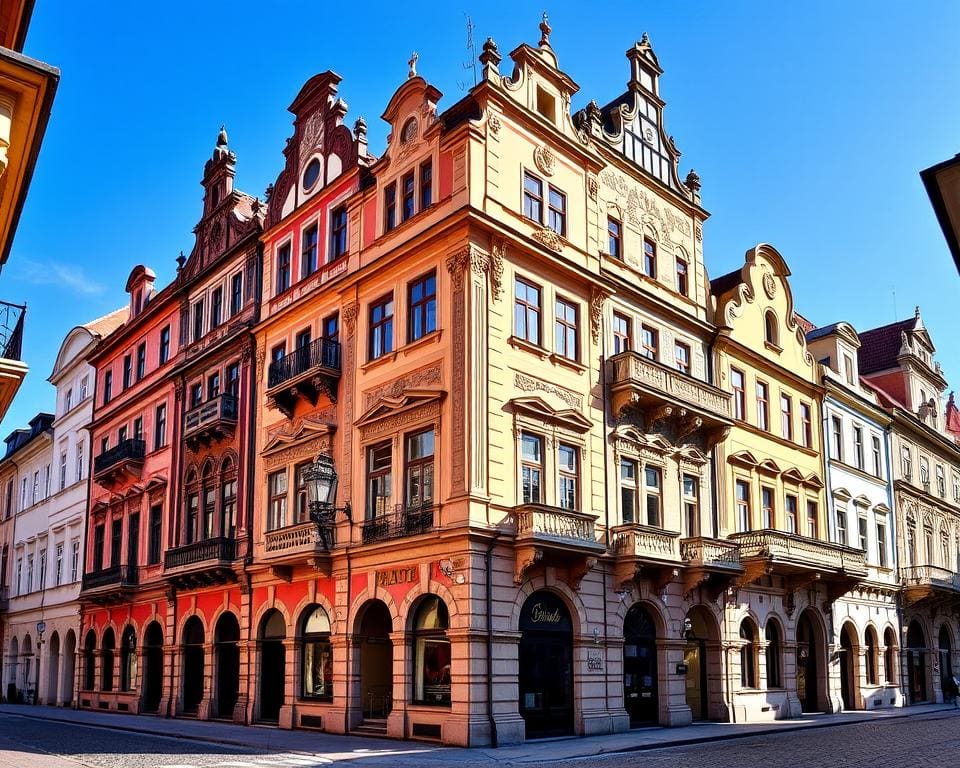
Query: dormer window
x=770 y=334
x=546 y=105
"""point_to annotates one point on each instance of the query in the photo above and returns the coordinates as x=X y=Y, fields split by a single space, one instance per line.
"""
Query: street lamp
x=320 y=483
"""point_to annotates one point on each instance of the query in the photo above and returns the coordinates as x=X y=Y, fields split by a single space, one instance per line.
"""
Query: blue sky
x=807 y=122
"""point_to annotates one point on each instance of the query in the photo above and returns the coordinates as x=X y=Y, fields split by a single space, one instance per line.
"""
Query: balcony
x=122 y=461
x=404 y=521
x=661 y=393
x=712 y=564
x=299 y=543
x=801 y=560
x=211 y=421
x=930 y=584
x=309 y=371
x=12 y=369
x=110 y=585
x=201 y=563
x=555 y=536
x=643 y=550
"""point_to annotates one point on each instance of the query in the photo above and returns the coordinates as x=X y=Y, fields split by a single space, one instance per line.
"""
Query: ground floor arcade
x=39 y=666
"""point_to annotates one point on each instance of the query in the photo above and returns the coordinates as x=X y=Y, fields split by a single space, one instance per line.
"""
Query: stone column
x=289 y=683
x=397 y=719
x=203 y=710
x=673 y=706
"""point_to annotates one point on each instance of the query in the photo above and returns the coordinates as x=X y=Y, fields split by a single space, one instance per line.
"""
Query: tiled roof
x=722 y=284
x=805 y=325
x=104 y=326
x=880 y=346
x=883 y=397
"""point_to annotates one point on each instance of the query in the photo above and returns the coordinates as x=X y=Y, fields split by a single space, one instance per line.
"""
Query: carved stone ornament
x=593 y=186
x=350 y=312
x=596 y=313
x=545 y=160
x=547 y=237
x=498 y=248
x=769 y=285
x=494 y=122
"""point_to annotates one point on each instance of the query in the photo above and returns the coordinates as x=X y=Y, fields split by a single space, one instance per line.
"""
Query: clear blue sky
x=807 y=122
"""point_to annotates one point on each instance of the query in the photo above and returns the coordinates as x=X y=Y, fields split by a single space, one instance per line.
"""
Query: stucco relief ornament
x=493 y=122
x=545 y=160
x=596 y=313
x=549 y=238
x=593 y=186
x=498 y=248
x=769 y=285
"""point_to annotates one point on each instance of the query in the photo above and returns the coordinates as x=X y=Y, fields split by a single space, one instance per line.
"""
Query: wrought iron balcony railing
x=131 y=449
x=212 y=551
x=115 y=575
x=221 y=409
x=11 y=330
x=404 y=521
x=321 y=353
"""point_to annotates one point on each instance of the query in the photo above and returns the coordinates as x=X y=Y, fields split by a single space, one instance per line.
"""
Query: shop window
x=431 y=673
x=128 y=660
x=316 y=669
x=774 y=651
x=748 y=654
x=106 y=660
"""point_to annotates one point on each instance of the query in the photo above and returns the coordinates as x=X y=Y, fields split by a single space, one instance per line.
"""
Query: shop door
x=640 y=667
x=807 y=666
x=153 y=668
x=546 y=666
x=694 y=656
x=228 y=664
x=272 y=666
x=192 y=666
x=376 y=661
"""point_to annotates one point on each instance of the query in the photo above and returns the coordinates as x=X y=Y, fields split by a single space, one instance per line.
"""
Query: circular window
x=311 y=174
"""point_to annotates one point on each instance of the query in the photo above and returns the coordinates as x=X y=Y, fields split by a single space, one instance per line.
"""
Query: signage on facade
x=41 y=627
x=595 y=661
x=406 y=575
x=682 y=669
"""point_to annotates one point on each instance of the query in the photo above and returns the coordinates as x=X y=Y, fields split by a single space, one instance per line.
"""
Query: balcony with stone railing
x=663 y=393
x=299 y=543
x=645 y=550
x=201 y=563
x=555 y=536
x=709 y=563
x=211 y=421
x=308 y=371
x=931 y=584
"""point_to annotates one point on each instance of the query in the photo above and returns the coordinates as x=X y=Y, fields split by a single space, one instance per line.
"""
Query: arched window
x=774 y=650
x=890 y=656
x=209 y=500
x=192 y=512
x=871 y=657
x=431 y=677
x=228 y=498
x=89 y=661
x=748 y=655
x=316 y=671
x=128 y=659
x=106 y=660
x=770 y=328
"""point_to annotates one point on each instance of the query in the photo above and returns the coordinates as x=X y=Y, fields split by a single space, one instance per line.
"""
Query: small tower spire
x=545 y=31
x=412 y=64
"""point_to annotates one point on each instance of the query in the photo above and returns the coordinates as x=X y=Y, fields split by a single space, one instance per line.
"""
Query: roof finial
x=181 y=260
x=916 y=312
x=545 y=31
x=412 y=72
x=645 y=40
x=222 y=137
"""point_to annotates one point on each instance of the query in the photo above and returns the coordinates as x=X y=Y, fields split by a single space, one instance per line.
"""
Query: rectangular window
x=862 y=531
x=766 y=498
x=691 y=504
x=743 y=506
x=531 y=468
x=127 y=370
x=906 y=462
x=233 y=379
x=763 y=407
x=46 y=481
x=68 y=401
x=216 y=307
x=621 y=333
x=116 y=541
x=858 y=447
x=812 y=519
x=36 y=487
x=236 y=293
x=83 y=388
x=682 y=357
x=628 y=490
x=941 y=482
x=614 y=238
x=882 y=545
x=164 y=354
x=653 y=482
x=806 y=425
x=877 y=461
x=407 y=201
x=836 y=425
x=422 y=307
x=841 y=526
x=302 y=510
x=79 y=461
x=786 y=417
x=228 y=508
x=532 y=198
x=526 y=311
x=649 y=342
x=389 y=207
x=160 y=427
x=138 y=428
x=59 y=574
x=557 y=212
x=19 y=575
x=381 y=327
x=565 y=329
x=683 y=278
x=193 y=515
x=141 y=360
x=303 y=339
x=739 y=394
x=213 y=385
x=9 y=506
x=156 y=528
x=338 y=233
x=848 y=369
x=63 y=471
x=308 y=250
x=331 y=327
x=107 y=386
x=29 y=573
x=426 y=185
x=379 y=479
x=42 y=577
x=567 y=471
x=277 y=490
x=283 y=269
x=419 y=473
x=649 y=258
x=209 y=510
x=198 y=320
x=196 y=394
x=75 y=560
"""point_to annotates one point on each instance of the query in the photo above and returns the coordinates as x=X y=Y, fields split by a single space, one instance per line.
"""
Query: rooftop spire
x=545 y=31
x=222 y=136
x=412 y=72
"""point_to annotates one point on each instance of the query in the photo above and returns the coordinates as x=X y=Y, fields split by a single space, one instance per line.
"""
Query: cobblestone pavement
x=913 y=742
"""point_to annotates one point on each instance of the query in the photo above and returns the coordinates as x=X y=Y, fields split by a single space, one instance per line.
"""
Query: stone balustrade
x=790 y=548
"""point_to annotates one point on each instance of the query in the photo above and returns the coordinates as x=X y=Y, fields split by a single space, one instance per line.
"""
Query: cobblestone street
x=931 y=739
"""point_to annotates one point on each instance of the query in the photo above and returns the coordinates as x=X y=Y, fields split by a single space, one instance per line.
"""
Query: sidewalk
x=336 y=747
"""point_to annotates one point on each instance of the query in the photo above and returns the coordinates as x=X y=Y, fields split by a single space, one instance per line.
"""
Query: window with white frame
x=766 y=505
x=531 y=468
x=941 y=482
x=906 y=462
x=743 y=506
x=653 y=482
x=858 y=456
x=567 y=471
x=790 y=512
x=691 y=504
x=59 y=574
x=877 y=458
x=836 y=424
x=841 y=525
x=628 y=490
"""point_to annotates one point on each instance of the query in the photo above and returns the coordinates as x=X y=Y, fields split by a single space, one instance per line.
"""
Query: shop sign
x=594 y=661
x=406 y=575
x=681 y=669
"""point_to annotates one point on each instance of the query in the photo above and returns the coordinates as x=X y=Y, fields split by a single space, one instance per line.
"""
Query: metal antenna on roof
x=471 y=62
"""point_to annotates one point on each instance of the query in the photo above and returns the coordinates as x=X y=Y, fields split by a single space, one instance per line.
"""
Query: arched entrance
x=808 y=663
x=916 y=663
x=376 y=661
x=13 y=661
x=152 y=667
x=640 y=668
x=89 y=661
x=946 y=656
x=128 y=659
x=227 y=660
x=546 y=666
x=107 y=647
x=192 y=665
x=273 y=631
x=53 y=670
x=848 y=668
x=701 y=655
x=27 y=669
x=68 y=667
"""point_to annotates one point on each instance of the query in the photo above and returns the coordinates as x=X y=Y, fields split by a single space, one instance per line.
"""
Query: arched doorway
x=53 y=670
x=916 y=663
x=107 y=647
x=68 y=667
x=13 y=661
x=848 y=668
x=226 y=635
x=546 y=666
x=273 y=631
x=808 y=663
x=152 y=667
x=89 y=661
x=27 y=669
x=701 y=655
x=946 y=656
x=640 y=668
x=192 y=665
x=891 y=673
x=376 y=661
x=128 y=659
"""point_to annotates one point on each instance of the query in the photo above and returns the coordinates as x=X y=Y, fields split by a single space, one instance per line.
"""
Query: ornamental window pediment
x=842 y=494
x=744 y=459
x=540 y=410
x=769 y=467
x=307 y=429
x=794 y=475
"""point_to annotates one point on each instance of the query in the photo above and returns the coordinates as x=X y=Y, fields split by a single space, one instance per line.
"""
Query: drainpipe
x=714 y=496
x=894 y=534
x=493 y=723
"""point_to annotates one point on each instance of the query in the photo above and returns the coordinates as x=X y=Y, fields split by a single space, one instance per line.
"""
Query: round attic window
x=409 y=132
x=311 y=174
